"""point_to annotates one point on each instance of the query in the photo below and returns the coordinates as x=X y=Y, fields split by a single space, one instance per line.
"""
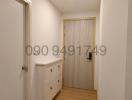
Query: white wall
x=129 y=56
x=87 y=15
x=46 y=30
x=114 y=36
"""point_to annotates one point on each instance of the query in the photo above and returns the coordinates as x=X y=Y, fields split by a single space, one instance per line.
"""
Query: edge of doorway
x=28 y=9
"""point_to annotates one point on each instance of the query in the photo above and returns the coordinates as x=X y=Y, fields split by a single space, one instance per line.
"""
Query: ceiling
x=67 y=6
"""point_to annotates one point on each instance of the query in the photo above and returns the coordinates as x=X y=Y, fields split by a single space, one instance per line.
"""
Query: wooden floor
x=76 y=94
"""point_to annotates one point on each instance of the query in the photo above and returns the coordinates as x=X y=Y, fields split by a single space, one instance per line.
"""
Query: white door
x=12 y=31
x=78 y=69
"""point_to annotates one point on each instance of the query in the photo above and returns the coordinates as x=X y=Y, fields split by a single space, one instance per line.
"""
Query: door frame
x=27 y=41
x=94 y=55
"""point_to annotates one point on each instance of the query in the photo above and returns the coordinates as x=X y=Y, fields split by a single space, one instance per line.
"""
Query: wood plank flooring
x=76 y=94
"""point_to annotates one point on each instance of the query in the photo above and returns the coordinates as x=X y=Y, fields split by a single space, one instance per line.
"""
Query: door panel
x=86 y=66
x=78 y=71
x=71 y=39
x=11 y=50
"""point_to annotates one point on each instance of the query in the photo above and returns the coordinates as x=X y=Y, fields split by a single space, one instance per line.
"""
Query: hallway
x=65 y=49
x=76 y=94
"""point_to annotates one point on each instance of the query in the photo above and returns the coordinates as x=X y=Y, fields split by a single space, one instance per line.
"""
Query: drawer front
x=50 y=74
x=52 y=89
x=59 y=83
x=47 y=76
x=55 y=71
x=60 y=69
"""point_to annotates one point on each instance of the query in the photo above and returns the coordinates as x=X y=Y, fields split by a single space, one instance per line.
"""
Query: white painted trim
x=28 y=42
x=28 y=9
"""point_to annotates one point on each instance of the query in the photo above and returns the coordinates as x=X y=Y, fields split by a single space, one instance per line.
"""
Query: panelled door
x=79 y=41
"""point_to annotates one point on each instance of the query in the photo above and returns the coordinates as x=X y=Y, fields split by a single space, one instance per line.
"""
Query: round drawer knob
x=51 y=87
x=51 y=70
x=58 y=66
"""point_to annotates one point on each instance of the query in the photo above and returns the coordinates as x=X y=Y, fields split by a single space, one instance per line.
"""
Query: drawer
x=60 y=69
x=55 y=70
x=59 y=83
x=50 y=74
x=53 y=89
x=47 y=75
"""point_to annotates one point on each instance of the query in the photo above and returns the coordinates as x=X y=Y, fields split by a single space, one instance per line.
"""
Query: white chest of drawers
x=49 y=79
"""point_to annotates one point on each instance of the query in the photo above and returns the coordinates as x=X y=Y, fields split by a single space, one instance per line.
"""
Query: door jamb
x=28 y=9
